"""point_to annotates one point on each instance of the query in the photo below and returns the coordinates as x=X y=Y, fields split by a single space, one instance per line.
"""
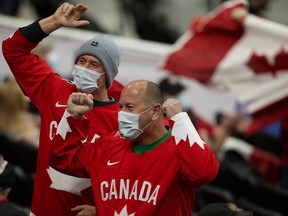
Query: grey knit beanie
x=106 y=51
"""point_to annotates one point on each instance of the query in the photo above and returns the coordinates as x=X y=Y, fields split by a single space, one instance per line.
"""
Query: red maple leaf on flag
x=260 y=64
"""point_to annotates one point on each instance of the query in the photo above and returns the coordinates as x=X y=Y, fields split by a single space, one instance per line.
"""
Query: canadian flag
x=239 y=52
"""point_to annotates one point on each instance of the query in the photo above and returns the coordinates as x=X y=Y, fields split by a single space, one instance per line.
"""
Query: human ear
x=156 y=111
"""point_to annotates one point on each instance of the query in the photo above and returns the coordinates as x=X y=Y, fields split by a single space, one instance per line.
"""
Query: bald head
x=144 y=90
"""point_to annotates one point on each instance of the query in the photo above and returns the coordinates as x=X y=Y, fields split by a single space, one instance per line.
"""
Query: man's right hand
x=67 y=15
x=79 y=104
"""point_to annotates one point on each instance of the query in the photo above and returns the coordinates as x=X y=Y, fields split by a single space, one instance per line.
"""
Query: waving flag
x=247 y=56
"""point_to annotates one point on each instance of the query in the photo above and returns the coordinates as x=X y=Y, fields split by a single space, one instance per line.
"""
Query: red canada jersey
x=159 y=182
x=49 y=93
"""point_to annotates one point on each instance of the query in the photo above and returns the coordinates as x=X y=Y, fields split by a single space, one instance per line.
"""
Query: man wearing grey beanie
x=96 y=66
x=106 y=51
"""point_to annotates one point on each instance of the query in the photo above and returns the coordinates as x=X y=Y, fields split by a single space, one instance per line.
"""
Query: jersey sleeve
x=199 y=165
x=32 y=73
x=69 y=152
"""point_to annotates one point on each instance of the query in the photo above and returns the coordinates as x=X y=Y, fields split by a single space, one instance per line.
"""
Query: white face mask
x=129 y=124
x=85 y=79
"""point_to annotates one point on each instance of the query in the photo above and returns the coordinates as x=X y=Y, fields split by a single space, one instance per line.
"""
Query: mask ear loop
x=98 y=87
x=149 y=122
x=146 y=110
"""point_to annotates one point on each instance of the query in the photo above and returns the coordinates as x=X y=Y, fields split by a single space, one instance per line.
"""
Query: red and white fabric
x=248 y=57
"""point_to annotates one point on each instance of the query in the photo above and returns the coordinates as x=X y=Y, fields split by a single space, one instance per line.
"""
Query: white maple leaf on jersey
x=124 y=212
x=71 y=184
x=184 y=128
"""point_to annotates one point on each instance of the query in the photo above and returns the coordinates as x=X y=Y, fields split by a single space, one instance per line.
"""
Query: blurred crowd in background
x=155 y=20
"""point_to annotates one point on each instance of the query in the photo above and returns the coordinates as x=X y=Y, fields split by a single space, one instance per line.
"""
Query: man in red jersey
x=143 y=168
x=96 y=65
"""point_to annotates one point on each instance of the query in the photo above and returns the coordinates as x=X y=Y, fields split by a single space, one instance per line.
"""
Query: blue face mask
x=85 y=79
x=129 y=124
